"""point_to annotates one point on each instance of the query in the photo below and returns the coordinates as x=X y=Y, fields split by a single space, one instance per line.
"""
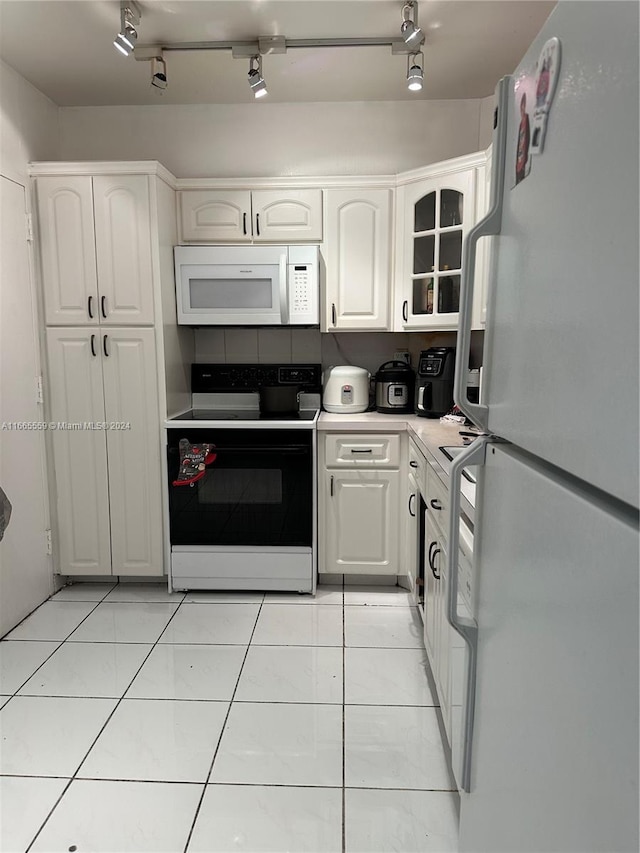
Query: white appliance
x=247 y=285
x=345 y=389
x=545 y=700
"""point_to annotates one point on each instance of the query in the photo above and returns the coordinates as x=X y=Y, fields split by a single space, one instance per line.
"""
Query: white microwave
x=247 y=285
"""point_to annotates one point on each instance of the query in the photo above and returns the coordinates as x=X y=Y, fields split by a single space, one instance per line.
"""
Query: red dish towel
x=193 y=460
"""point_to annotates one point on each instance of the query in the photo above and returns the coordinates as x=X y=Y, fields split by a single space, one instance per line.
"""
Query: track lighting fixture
x=415 y=72
x=255 y=78
x=411 y=32
x=126 y=39
x=159 y=72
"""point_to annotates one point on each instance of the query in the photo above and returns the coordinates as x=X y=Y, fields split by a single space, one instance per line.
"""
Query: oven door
x=257 y=492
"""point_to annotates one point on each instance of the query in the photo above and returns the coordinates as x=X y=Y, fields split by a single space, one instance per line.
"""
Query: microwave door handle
x=284 y=291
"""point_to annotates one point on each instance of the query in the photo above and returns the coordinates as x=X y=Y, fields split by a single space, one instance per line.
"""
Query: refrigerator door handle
x=475 y=454
x=491 y=224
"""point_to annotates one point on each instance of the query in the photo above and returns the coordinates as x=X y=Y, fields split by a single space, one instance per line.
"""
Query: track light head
x=159 y=72
x=415 y=72
x=126 y=39
x=411 y=32
x=255 y=78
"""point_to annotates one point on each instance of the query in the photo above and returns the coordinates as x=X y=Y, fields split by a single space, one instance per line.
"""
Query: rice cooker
x=345 y=389
x=395 y=381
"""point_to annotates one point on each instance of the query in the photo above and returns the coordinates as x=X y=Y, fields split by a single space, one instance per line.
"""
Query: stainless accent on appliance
x=434 y=383
x=394 y=388
x=247 y=285
x=346 y=389
x=250 y=521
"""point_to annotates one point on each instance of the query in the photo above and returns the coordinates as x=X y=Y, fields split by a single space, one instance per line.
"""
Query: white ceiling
x=65 y=49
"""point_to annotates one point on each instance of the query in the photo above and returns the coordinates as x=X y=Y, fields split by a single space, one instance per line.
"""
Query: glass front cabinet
x=435 y=216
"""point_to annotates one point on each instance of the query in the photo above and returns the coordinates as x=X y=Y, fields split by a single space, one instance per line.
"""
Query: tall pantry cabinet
x=105 y=254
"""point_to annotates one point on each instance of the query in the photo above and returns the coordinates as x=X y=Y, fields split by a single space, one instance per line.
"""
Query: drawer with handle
x=362 y=451
x=418 y=467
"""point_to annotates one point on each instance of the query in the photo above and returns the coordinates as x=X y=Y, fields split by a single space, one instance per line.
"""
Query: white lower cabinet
x=106 y=451
x=359 y=505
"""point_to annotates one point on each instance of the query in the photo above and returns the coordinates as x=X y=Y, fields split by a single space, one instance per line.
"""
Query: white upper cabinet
x=287 y=215
x=437 y=214
x=67 y=250
x=95 y=242
x=123 y=249
x=232 y=216
x=214 y=216
x=357 y=252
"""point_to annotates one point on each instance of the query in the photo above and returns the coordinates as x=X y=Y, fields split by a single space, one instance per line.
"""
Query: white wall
x=28 y=130
x=248 y=140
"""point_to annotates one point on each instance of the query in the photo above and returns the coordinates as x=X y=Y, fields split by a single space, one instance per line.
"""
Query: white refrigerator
x=545 y=697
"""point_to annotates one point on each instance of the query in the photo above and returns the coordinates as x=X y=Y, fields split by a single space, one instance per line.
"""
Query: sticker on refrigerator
x=523 y=93
x=546 y=79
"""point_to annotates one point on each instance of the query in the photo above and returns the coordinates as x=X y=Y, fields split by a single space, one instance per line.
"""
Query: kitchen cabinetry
x=358 y=232
x=95 y=249
x=107 y=460
x=436 y=208
x=360 y=504
x=242 y=215
x=106 y=234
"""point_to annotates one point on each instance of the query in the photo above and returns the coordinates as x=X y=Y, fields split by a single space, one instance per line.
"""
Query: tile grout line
x=224 y=725
x=104 y=725
x=60 y=642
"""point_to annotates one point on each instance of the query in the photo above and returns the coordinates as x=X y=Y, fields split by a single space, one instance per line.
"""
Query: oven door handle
x=284 y=290
x=262 y=448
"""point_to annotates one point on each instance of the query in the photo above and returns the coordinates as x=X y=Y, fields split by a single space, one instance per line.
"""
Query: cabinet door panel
x=123 y=249
x=67 y=250
x=214 y=216
x=358 y=258
x=79 y=454
x=135 y=481
x=362 y=523
x=287 y=215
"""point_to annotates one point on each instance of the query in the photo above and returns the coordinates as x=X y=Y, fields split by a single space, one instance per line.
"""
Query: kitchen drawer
x=418 y=467
x=438 y=501
x=375 y=450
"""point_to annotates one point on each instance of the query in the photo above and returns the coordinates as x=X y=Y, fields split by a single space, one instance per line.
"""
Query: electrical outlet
x=402 y=355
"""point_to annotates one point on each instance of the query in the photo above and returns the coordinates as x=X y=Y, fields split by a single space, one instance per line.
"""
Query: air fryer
x=434 y=383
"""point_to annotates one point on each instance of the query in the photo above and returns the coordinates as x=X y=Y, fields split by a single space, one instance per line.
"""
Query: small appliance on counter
x=345 y=389
x=434 y=383
x=395 y=381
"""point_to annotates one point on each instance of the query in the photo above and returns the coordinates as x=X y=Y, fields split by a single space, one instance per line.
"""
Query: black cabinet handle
x=413 y=463
x=411 y=513
x=103 y=306
x=333 y=313
x=104 y=346
x=244 y=223
x=368 y=450
x=405 y=310
x=435 y=504
x=93 y=345
x=90 y=307
x=433 y=551
x=331 y=486
x=257 y=224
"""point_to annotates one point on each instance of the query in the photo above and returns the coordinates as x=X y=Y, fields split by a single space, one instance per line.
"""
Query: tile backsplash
x=365 y=349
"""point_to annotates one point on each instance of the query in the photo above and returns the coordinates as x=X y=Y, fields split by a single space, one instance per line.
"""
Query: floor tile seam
x=222 y=729
x=16 y=692
x=134 y=698
x=104 y=725
x=57 y=639
x=85 y=600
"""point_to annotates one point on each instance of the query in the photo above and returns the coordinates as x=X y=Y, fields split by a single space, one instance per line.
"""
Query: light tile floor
x=135 y=720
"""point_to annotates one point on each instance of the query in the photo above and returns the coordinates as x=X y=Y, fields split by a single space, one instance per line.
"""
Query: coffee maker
x=434 y=382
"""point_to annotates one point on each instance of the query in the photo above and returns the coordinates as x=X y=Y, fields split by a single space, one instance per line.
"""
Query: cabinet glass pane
x=450 y=250
x=422 y=302
x=449 y=294
x=423 y=249
x=425 y=213
x=451 y=208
